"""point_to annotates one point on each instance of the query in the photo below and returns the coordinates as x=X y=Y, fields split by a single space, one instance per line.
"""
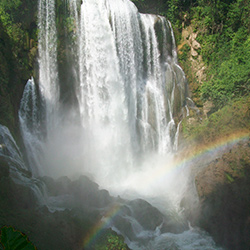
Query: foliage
x=110 y=241
x=231 y=78
x=18 y=41
x=224 y=38
x=14 y=240
x=223 y=28
x=232 y=118
x=16 y=17
x=115 y=243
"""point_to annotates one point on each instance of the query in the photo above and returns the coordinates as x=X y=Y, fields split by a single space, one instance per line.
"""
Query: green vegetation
x=110 y=241
x=223 y=28
x=19 y=22
x=224 y=35
x=18 y=41
x=232 y=119
x=225 y=50
x=12 y=239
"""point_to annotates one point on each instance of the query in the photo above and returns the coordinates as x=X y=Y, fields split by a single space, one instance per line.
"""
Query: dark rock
x=63 y=185
x=223 y=188
x=12 y=194
x=79 y=193
x=190 y=206
x=139 y=215
x=4 y=168
x=171 y=225
x=150 y=6
x=84 y=183
x=87 y=194
x=124 y=225
x=50 y=185
x=104 y=198
x=147 y=215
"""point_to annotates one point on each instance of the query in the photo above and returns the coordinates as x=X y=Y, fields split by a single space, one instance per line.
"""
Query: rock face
x=138 y=216
x=147 y=215
x=81 y=193
x=63 y=229
x=223 y=189
x=17 y=56
x=191 y=60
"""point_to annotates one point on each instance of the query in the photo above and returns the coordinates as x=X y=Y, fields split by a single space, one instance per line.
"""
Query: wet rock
x=138 y=216
x=147 y=215
x=4 y=168
x=223 y=189
x=63 y=185
x=50 y=185
x=79 y=193
x=125 y=226
x=12 y=194
x=171 y=225
x=84 y=192
x=104 y=198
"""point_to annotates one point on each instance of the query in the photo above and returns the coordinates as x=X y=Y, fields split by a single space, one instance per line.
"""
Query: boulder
x=4 y=168
x=85 y=192
x=148 y=216
x=223 y=189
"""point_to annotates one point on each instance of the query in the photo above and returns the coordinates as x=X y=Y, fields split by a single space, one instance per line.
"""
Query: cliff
x=223 y=188
x=17 y=56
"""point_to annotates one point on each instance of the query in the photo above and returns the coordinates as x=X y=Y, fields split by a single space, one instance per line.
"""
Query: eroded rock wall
x=223 y=189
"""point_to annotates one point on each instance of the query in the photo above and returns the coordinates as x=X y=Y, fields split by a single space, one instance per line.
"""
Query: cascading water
x=10 y=152
x=31 y=118
x=48 y=68
x=124 y=101
x=104 y=112
x=129 y=88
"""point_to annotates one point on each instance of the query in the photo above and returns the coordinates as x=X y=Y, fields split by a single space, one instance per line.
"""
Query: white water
x=9 y=149
x=48 y=72
x=10 y=152
x=30 y=118
x=129 y=88
x=125 y=103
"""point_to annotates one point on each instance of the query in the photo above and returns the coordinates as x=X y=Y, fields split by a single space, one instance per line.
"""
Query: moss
x=109 y=240
x=231 y=119
x=229 y=178
x=18 y=42
x=183 y=53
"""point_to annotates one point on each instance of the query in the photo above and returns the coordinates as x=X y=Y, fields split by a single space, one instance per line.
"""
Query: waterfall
x=10 y=152
x=155 y=110
x=127 y=81
x=47 y=47
x=31 y=123
x=38 y=113
x=120 y=129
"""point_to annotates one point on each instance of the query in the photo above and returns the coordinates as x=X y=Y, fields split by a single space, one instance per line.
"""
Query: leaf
x=12 y=239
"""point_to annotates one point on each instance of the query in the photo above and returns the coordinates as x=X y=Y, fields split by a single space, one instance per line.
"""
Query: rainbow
x=196 y=152
x=101 y=225
x=214 y=146
x=178 y=165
